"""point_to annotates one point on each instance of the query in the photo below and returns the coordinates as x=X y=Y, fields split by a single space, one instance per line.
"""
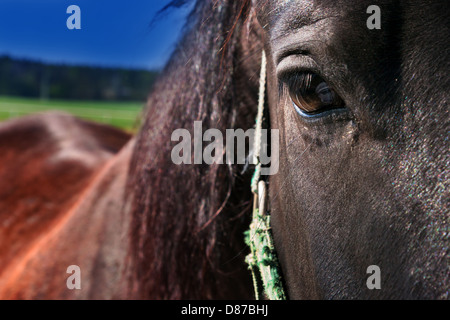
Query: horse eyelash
x=299 y=80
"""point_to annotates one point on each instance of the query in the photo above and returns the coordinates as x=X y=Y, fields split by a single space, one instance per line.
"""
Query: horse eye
x=312 y=96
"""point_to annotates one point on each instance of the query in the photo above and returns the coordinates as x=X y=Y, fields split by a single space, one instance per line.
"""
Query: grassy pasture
x=123 y=115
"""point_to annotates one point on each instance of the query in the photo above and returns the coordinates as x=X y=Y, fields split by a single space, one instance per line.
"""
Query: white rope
x=259 y=119
x=259 y=116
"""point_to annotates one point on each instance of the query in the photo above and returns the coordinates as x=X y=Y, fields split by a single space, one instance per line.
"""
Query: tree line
x=26 y=78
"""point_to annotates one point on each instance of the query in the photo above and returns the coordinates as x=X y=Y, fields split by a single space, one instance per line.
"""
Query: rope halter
x=262 y=260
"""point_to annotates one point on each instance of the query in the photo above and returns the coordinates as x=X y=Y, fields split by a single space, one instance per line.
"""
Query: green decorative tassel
x=262 y=260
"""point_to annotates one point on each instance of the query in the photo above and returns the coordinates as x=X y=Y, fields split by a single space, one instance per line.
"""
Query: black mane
x=188 y=220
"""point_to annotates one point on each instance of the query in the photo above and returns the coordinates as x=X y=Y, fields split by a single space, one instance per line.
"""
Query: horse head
x=363 y=163
x=363 y=170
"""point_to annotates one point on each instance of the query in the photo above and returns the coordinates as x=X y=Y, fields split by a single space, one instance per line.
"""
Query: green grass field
x=123 y=115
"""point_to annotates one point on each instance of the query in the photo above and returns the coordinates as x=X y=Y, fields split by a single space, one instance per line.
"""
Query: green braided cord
x=256 y=281
x=263 y=258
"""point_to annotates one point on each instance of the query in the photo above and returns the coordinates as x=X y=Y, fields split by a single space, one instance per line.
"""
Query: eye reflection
x=312 y=95
x=326 y=95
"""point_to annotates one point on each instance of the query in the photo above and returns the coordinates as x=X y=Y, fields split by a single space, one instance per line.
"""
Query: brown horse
x=363 y=180
x=56 y=168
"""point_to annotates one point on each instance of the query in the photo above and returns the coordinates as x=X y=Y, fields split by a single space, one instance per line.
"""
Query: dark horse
x=363 y=176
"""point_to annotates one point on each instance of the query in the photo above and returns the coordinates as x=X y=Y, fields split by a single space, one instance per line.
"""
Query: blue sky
x=114 y=33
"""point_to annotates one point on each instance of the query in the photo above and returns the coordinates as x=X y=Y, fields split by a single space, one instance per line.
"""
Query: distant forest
x=27 y=78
